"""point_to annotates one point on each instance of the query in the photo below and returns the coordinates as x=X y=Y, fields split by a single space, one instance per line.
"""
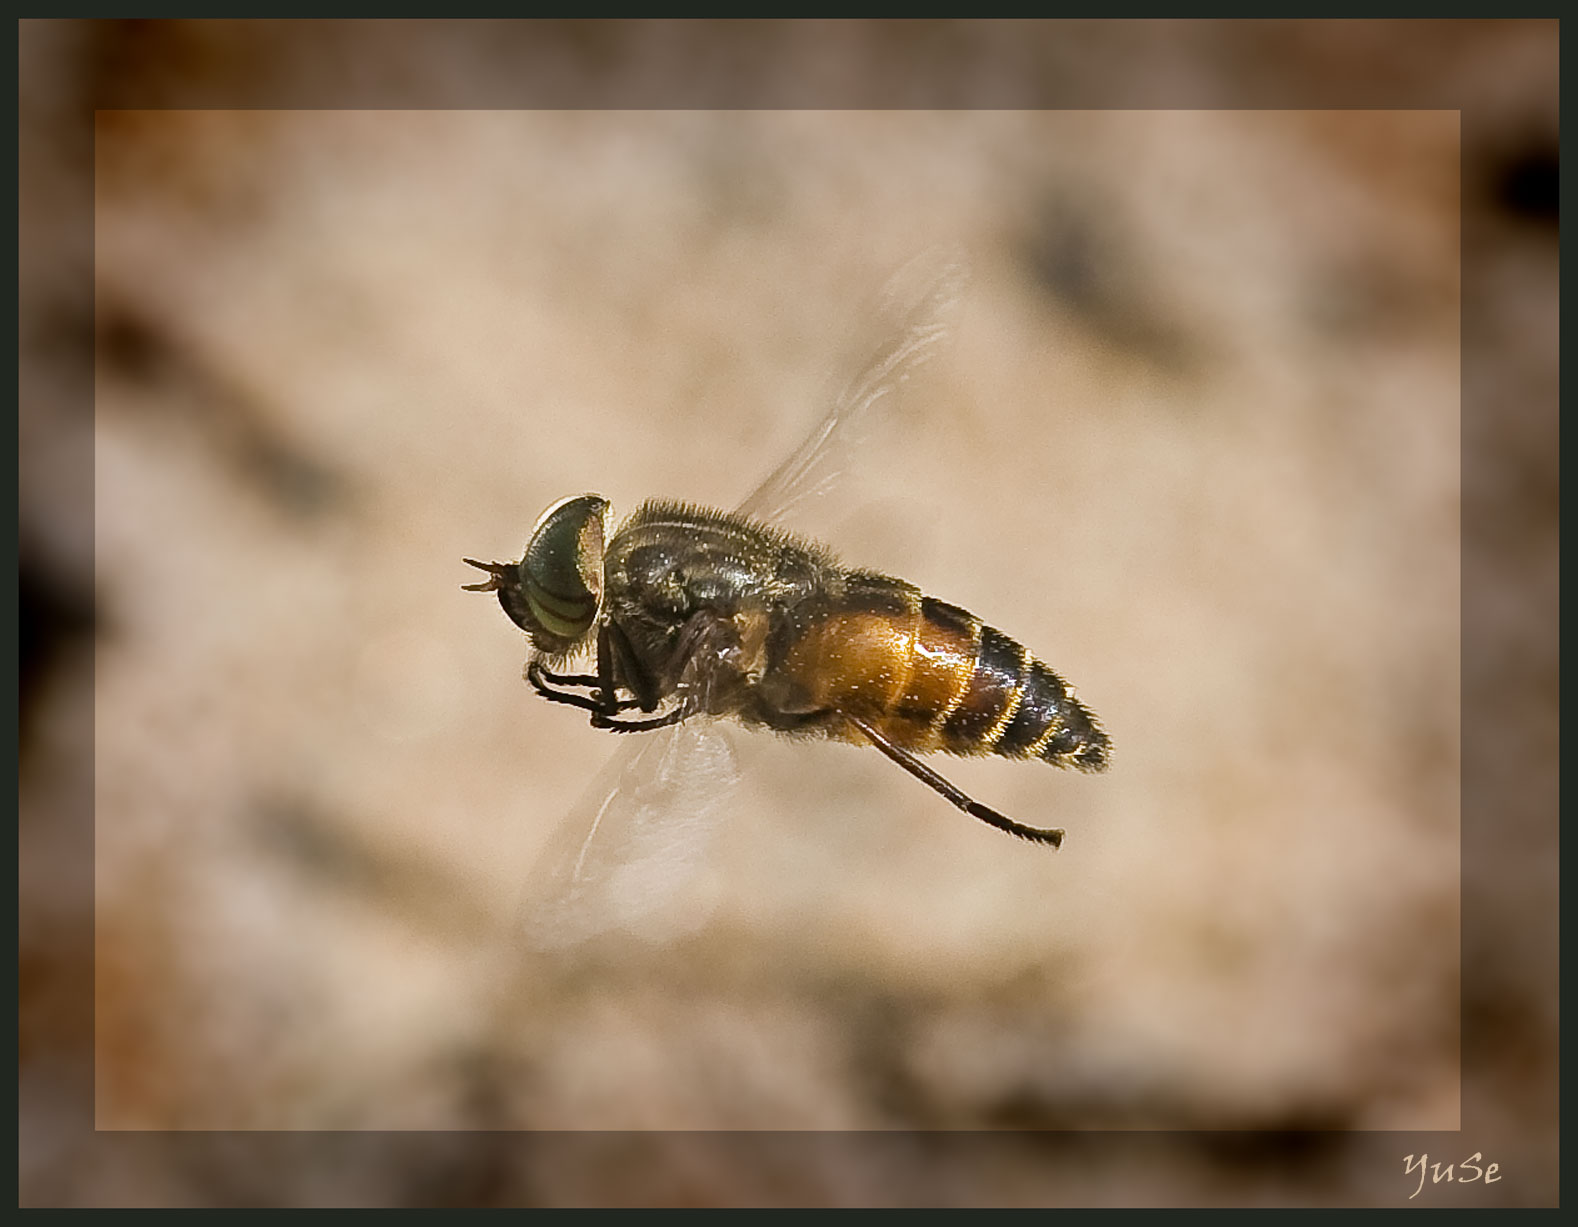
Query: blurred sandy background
x=1197 y=442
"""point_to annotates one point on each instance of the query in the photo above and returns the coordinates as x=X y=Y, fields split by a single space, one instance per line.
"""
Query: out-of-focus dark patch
x=1080 y=259
x=1295 y=1134
x=350 y=1167
x=56 y=619
x=1080 y=1105
x=55 y=976
x=1298 y=1137
x=131 y=347
x=482 y=1076
x=602 y=49
x=172 y=119
x=1301 y=1139
x=481 y=1167
x=152 y=63
x=1502 y=1024
x=135 y=347
x=1026 y=1109
x=335 y=858
x=490 y=1168
x=1525 y=181
x=128 y=55
x=59 y=334
x=878 y=1028
x=316 y=848
x=1368 y=298
x=295 y=483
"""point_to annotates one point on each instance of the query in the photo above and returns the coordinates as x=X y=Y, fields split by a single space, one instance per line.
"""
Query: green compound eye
x=562 y=573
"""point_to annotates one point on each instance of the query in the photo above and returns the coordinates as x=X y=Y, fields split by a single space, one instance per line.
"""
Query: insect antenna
x=497 y=574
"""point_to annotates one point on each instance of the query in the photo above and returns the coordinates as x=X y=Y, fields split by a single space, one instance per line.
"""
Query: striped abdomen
x=931 y=676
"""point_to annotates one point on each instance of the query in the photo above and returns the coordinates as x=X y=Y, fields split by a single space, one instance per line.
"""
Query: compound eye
x=517 y=607
x=562 y=573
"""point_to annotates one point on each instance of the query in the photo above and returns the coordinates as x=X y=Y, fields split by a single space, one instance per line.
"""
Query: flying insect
x=695 y=612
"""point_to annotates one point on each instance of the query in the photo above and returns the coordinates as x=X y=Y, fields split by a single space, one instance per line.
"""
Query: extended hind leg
x=954 y=795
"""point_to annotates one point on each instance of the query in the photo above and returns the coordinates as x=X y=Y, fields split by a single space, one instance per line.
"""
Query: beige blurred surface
x=1196 y=442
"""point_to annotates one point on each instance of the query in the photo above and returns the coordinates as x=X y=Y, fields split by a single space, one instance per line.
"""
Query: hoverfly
x=695 y=613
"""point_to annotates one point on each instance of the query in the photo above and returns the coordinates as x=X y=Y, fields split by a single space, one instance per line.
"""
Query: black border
x=602 y=67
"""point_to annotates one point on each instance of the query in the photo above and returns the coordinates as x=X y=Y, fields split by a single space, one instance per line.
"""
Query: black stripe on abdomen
x=1040 y=707
x=1075 y=739
x=988 y=695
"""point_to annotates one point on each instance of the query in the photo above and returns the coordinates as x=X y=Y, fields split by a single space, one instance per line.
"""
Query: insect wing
x=622 y=859
x=913 y=313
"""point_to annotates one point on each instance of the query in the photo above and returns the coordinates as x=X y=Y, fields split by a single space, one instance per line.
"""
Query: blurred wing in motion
x=622 y=859
x=913 y=313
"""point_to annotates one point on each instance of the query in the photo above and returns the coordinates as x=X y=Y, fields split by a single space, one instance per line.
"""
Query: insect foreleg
x=584 y=682
x=954 y=795
x=568 y=679
x=616 y=657
x=544 y=681
x=600 y=721
x=602 y=717
x=697 y=661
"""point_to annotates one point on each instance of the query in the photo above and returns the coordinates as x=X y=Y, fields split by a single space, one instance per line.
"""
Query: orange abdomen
x=931 y=676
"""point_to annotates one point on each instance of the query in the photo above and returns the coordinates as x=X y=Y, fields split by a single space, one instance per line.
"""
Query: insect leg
x=540 y=680
x=569 y=679
x=954 y=795
x=577 y=681
x=600 y=721
x=601 y=715
x=616 y=656
x=697 y=662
